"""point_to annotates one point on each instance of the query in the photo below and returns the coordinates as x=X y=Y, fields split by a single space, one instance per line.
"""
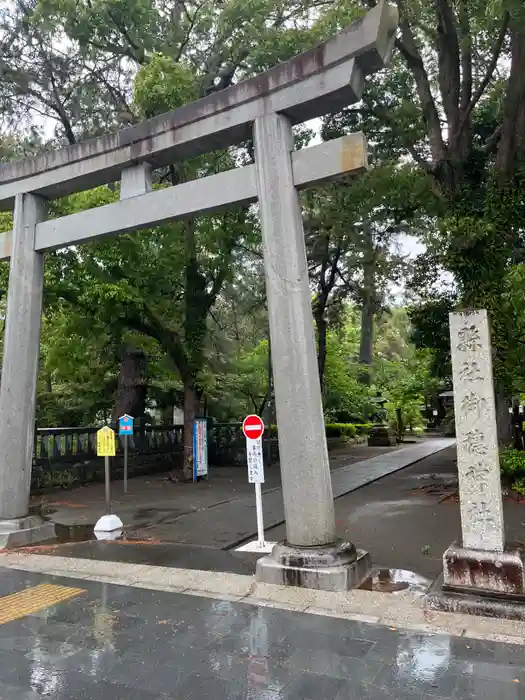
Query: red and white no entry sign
x=253 y=427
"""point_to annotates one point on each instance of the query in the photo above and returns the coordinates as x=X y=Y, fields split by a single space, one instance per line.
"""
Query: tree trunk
x=366 y=346
x=367 y=342
x=513 y=127
x=503 y=418
x=132 y=385
x=167 y=414
x=190 y=410
x=321 y=325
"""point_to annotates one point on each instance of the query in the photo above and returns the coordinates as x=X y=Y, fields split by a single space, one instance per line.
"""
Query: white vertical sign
x=253 y=429
x=254 y=452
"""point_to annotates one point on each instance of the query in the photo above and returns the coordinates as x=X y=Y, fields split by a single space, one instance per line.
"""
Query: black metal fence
x=65 y=457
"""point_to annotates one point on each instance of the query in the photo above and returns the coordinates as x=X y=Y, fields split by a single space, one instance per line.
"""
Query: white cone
x=108 y=523
x=115 y=535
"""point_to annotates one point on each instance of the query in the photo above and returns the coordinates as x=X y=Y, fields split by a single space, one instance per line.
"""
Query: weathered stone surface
x=322 y=80
x=305 y=470
x=482 y=571
x=476 y=431
x=326 y=161
x=467 y=603
x=481 y=564
x=339 y=567
x=20 y=532
x=347 y=155
x=135 y=181
x=20 y=359
x=381 y=436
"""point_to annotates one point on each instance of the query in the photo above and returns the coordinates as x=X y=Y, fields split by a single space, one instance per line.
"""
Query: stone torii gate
x=320 y=81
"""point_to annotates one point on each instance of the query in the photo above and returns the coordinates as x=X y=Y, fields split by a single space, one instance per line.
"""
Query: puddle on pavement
x=73 y=533
x=396 y=581
x=76 y=534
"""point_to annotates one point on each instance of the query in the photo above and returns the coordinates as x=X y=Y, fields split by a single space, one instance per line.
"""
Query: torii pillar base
x=21 y=532
x=336 y=567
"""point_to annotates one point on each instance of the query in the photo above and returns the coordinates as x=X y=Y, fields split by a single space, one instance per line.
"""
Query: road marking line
x=31 y=600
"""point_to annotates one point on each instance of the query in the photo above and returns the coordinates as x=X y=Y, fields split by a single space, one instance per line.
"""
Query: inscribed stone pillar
x=476 y=432
x=20 y=360
x=483 y=562
x=307 y=486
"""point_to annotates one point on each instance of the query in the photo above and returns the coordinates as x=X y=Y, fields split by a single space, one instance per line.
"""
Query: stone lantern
x=381 y=435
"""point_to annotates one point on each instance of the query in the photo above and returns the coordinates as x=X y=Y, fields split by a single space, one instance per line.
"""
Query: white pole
x=125 y=463
x=260 y=521
x=108 y=486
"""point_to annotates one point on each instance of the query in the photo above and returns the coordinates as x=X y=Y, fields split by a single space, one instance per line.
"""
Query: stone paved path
x=235 y=522
x=124 y=643
x=152 y=500
x=224 y=515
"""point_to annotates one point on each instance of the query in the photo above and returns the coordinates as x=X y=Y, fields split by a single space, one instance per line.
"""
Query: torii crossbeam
x=318 y=82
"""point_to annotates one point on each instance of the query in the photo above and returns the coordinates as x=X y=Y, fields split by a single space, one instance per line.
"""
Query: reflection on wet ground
x=73 y=533
x=396 y=581
x=79 y=543
x=116 y=643
x=152 y=553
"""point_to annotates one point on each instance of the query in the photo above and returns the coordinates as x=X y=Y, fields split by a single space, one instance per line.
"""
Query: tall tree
x=93 y=66
x=454 y=102
x=352 y=230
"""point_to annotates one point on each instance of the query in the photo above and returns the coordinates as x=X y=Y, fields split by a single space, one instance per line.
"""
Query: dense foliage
x=176 y=316
x=512 y=464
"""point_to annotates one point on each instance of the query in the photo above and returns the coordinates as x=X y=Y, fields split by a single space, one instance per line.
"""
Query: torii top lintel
x=317 y=82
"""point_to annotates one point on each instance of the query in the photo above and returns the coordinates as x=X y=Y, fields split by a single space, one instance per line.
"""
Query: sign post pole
x=253 y=429
x=260 y=517
x=125 y=463
x=107 y=478
x=125 y=429
x=109 y=526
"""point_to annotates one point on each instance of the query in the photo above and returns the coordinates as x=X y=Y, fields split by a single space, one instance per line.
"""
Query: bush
x=340 y=430
x=519 y=486
x=512 y=466
x=363 y=428
x=512 y=463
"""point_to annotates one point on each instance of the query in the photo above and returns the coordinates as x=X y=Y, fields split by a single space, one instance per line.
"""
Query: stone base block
x=21 y=532
x=469 y=604
x=381 y=436
x=496 y=574
x=337 y=567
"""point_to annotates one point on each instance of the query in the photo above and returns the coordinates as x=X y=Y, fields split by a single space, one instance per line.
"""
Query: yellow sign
x=106 y=442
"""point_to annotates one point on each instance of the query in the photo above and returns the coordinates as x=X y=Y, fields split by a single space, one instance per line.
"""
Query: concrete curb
x=403 y=611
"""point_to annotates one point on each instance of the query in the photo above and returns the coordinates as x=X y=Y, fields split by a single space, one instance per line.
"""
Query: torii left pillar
x=19 y=377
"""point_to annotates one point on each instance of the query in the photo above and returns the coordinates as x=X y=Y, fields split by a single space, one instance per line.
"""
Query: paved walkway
x=108 y=642
x=221 y=513
x=234 y=522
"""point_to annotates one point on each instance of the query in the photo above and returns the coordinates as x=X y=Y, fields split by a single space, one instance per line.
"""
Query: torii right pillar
x=312 y=556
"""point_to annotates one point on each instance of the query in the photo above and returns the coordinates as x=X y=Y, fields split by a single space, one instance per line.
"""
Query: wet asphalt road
x=106 y=642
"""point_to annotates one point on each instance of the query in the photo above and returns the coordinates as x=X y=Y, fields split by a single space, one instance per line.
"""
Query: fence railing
x=64 y=444
x=65 y=457
x=68 y=456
